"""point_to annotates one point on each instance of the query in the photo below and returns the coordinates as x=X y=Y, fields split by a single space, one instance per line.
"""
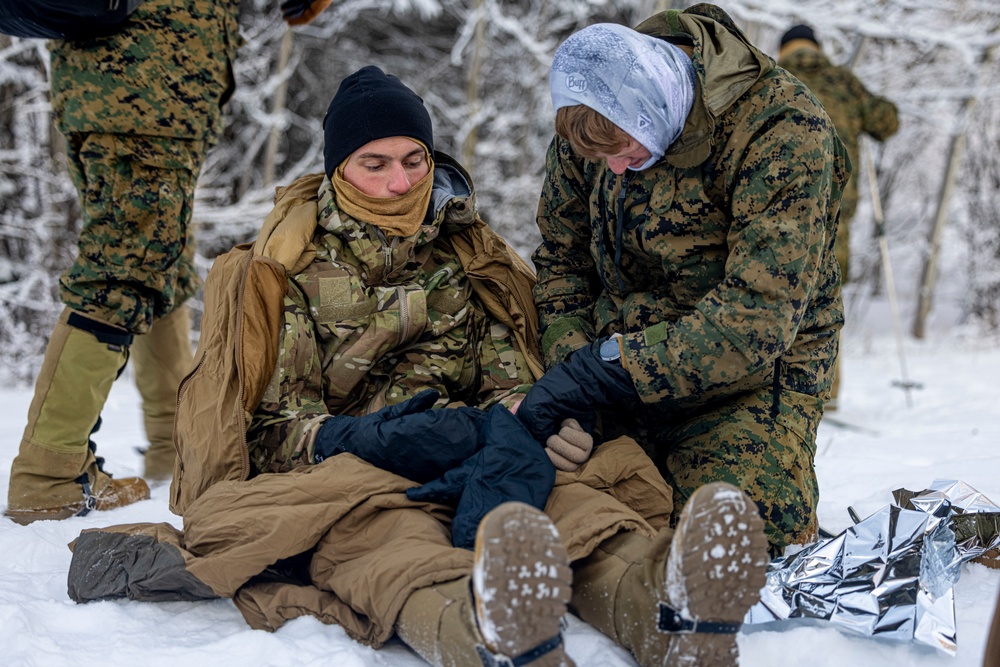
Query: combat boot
x=160 y=360
x=509 y=612
x=56 y=474
x=680 y=598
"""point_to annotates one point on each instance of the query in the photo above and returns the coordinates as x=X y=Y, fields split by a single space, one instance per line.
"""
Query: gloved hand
x=300 y=12
x=570 y=447
x=407 y=439
x=509 y=466
x=575 y=389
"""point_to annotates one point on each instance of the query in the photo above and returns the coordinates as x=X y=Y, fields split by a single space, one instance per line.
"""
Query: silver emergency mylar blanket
x=891 y=575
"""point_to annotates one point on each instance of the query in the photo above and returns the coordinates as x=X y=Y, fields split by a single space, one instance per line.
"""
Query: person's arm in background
x=879 y=116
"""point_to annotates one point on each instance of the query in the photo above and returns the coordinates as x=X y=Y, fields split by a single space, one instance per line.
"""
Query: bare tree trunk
x=929 y=275
x=277 y=108
x=472 y=90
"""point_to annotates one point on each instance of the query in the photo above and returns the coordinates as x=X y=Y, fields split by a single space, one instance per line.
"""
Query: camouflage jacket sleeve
x=879 y=117
x=284 y=425
x=568 y=283
x=782 y=184
x=504 y=373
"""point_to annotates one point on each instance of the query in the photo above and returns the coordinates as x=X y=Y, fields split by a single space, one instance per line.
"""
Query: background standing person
x=689 y=207
x=139 y=109
x=854 y=111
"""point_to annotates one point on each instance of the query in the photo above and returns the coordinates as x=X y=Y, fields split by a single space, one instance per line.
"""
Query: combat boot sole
x=116 y=493
x=714 y=573
x=521 y=583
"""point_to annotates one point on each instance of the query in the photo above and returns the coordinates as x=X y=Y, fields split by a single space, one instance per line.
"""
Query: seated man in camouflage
x=314 y=479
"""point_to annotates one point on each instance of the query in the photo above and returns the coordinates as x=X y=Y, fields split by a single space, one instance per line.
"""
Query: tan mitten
x=570 y=447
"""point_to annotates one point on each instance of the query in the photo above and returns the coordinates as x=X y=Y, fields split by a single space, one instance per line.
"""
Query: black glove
x=575 y=389
x=291 y=9
x=509 y=466
x=407 y=439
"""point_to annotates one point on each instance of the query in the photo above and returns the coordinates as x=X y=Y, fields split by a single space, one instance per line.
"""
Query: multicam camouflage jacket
x=166 y=73
x=716 y=263
x=850 y=106
x=373 y=321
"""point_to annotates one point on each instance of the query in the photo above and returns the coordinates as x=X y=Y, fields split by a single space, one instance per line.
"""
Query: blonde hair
x=590 y=133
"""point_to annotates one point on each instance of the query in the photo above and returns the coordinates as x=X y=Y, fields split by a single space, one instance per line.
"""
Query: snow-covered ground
x=951 y=432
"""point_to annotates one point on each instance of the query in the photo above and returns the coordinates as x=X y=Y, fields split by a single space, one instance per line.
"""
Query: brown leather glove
x=301 y=12
x=570 y=447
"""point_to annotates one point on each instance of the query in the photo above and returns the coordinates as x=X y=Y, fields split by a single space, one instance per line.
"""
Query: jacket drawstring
x=619 y=232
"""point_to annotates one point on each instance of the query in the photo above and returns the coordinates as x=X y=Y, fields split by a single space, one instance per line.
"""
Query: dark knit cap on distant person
x=370 y=105
x=799 y=32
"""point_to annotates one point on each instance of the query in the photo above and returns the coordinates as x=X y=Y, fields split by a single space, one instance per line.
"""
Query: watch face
x=610 y=350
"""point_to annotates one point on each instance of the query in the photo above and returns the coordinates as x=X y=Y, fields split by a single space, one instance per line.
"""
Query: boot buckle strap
x=89 y=499
x=670 y=620
x=491 y=659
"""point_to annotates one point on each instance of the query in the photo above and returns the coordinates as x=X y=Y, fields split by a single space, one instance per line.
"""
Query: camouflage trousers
x=136 y=248
x=763 y=444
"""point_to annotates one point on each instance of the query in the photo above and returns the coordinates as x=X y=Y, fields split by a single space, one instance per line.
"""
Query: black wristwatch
x=610 y=349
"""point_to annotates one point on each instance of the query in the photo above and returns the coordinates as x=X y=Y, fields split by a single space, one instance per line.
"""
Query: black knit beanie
x=799 y=32
x=370 y=105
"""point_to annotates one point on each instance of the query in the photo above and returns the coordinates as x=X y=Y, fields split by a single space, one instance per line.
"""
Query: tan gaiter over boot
x=509 y=611
x=161 y=359
x=438 y=623
x=70 y=391
x=611 y=593
x=679 y=598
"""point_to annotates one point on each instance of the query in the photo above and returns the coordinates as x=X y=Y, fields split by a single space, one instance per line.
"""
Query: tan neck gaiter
x=396 y=216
